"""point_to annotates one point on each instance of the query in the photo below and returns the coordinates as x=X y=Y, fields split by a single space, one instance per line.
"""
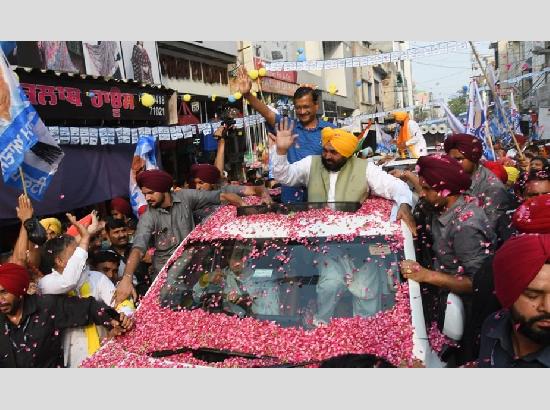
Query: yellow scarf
x=128 y=303
x=90 y=330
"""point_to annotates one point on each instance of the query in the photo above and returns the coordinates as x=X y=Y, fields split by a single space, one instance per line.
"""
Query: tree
x=459 y=104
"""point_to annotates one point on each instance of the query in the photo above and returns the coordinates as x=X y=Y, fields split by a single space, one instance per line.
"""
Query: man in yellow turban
x=52 y=227
x=410 y=140
x=337 y=175
x=343 y=142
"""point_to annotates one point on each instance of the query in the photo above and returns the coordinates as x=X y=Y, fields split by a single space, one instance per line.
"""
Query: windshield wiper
x=218 y=355
x=208 y=354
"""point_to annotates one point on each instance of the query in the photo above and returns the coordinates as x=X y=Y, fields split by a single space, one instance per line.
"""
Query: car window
x=301 y=284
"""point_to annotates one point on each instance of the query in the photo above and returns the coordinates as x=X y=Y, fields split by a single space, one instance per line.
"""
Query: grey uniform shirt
x=170 y=226
x=492 y=194
x=462 y=240
x=200 y=215
x=233 y=189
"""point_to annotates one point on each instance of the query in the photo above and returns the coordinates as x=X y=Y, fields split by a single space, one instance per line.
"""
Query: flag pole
x=489 y=138
x=260 y=89
x=488 y=135
x=23 y=181
x=493 y=90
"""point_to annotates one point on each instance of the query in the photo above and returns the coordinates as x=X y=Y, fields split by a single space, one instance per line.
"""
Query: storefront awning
x=85 y=176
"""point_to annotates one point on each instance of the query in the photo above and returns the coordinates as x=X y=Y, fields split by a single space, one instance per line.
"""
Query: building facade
x=515 y=59
x=200 y=69
x=370 y=89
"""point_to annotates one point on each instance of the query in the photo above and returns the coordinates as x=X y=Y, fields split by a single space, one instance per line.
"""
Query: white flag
x=454 y=123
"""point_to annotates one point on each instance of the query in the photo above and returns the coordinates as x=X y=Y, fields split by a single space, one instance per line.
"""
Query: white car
x=285 y=287
x=399 y=163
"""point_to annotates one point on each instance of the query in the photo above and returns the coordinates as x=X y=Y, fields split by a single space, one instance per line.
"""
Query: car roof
x=373 y=218
x=400 y=162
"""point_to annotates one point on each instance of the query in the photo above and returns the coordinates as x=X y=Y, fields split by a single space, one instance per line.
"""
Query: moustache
x=533 y=320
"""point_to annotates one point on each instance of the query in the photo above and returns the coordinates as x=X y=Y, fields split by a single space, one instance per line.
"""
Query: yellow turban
x=513 y=174
x=52 y=224
x=343 y=142
x=401 y=115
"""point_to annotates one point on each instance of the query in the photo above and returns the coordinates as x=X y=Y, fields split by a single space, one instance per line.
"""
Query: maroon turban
x=497 y=169
x=14 y=278
x=468 y=145
x=444 y=174
x=517 y=263
x=121 y=205
x=533 y=216
x=155 y=179
x=205 y=172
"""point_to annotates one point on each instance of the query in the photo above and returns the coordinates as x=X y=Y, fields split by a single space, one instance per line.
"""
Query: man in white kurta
x=337 y=176
x=299 y=173
x=70 y=274
x=410 y=137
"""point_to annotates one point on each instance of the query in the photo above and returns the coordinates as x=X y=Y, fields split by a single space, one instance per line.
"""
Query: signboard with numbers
x=62 y=97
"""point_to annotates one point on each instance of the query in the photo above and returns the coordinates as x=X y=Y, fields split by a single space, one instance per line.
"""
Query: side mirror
x=453 y=327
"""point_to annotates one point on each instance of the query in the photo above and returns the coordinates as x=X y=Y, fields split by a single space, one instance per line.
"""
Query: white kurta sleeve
x=296 y=174
x=56 y=283
x=105 y=290
x=415 y=132
x=383 y=184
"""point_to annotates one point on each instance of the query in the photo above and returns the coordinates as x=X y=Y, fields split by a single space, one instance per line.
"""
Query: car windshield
x=301 y=284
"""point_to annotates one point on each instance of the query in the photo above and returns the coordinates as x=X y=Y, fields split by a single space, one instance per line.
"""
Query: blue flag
x=144 y=159
x=25 y=142
x=475 y=121
x=515 y=116
x=501 y=131
x=383 y=141
x=8 y=46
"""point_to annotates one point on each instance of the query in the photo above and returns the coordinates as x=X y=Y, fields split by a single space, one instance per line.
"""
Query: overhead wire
x=535 y=84
x=441 y=78
x=438 y=65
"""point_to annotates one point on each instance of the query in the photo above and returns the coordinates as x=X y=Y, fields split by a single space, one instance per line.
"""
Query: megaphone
x=433 y=129
x=424 y=129
x=442 y=128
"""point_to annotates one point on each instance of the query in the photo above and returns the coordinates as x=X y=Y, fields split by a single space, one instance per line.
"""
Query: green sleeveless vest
x=351 y=185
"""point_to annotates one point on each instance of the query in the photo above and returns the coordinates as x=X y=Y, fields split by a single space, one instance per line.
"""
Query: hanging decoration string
x=373 y=59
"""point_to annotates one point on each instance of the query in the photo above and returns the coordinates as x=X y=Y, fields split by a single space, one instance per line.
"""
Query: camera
x=228 y=120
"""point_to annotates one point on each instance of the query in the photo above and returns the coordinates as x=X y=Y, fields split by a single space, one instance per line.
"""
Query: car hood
x=387 y=334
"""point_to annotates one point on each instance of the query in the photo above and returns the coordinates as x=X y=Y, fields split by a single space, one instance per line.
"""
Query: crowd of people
x=481 y=228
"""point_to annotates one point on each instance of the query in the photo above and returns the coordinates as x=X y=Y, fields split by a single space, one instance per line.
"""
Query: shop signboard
x=64 y=97
x=272 y=85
